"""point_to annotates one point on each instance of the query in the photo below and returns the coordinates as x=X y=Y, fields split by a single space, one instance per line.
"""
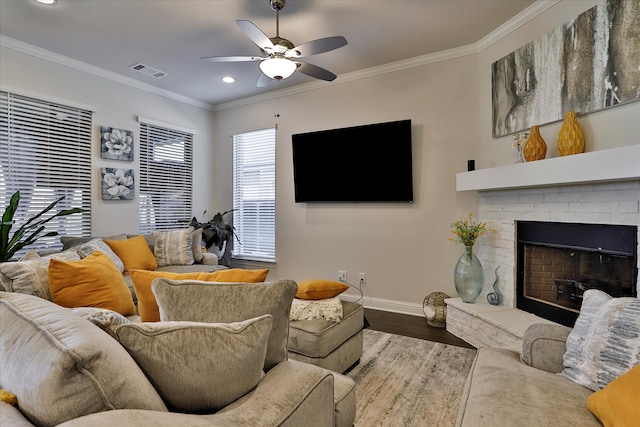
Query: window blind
x=254 y=194
x=166 y=177
x=45 y=153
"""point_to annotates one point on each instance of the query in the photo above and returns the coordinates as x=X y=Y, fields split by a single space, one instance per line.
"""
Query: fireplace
x=557 y=262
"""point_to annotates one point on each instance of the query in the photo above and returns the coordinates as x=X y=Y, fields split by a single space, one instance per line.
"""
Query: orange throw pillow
x=134 y=253
x=147 y=305
x=94 y=281
x=617 y=403
x=241 y=275
x=320 y=289
x=142 y=279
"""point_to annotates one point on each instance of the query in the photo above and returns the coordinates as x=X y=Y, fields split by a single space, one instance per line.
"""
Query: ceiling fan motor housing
x=277 y=4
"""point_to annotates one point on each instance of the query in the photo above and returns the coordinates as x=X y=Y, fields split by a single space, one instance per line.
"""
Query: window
x=45 y=153
x=254 y=194
x=166 y=177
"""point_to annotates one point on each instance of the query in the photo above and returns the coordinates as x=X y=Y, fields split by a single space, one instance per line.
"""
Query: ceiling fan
x=282 y=56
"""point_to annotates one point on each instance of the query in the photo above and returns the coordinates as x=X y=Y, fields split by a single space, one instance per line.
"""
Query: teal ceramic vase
x=468 y=276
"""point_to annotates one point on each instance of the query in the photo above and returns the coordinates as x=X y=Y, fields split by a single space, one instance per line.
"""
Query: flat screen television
x=370 y=163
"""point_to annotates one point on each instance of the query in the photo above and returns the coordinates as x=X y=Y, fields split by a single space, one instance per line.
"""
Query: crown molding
x=504 y=30
x=66 y=61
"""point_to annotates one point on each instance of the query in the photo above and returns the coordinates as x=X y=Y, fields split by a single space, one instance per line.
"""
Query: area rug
x=402 y=381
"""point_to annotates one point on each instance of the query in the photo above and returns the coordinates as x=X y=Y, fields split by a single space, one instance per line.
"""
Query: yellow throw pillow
x=617 y=403
x=147 y=305
x=320 y=289
x=134 y=253
x=142 y=279
x=241 y=275
x=94 y=281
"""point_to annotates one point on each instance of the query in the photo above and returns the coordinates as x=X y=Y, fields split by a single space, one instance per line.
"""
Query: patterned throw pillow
x=32 y=276
x=107 y=320
x=173 y=247
x=97 y=244
x=605 y=341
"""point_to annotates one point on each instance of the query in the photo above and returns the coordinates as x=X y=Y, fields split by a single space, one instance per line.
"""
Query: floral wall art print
x=117 y=184
x=585 y=65
x=116 y=144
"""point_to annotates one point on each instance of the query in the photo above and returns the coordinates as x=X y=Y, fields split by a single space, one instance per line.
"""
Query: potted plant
x=30 y=231
x=217 y=232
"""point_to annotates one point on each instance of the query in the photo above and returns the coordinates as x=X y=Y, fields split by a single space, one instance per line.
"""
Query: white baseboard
x=387 y=305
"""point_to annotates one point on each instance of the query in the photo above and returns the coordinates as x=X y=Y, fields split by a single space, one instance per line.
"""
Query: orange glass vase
x=535 y=148
x=570 y=138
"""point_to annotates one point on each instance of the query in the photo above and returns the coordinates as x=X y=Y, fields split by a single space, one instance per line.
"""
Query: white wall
x=116 y=105
x=403 y=249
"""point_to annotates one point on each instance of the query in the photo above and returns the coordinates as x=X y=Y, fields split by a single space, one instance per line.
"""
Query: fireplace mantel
x=616 y=164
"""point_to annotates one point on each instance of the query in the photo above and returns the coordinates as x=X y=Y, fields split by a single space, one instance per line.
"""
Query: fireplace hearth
x=557 y=262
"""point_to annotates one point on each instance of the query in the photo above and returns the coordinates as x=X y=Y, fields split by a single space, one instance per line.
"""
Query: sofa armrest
x=209 y=259
x=543 y=346
x=291 y=394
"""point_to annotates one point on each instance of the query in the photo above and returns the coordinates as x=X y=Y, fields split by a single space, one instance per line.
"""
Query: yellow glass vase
x=535 y=148
x=570 y=138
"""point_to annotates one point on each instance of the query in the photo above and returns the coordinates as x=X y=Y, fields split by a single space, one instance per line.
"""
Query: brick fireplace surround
x=601 y=187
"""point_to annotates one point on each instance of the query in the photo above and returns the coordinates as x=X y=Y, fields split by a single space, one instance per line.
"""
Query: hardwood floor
x=410 y=326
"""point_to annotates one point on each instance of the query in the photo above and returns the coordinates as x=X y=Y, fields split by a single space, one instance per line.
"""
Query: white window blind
x=166 y=178
x=254 y=194
x=45 y=153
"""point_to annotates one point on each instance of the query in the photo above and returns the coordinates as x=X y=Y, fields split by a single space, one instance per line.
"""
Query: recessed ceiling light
x=46 y=1
x=228 y=79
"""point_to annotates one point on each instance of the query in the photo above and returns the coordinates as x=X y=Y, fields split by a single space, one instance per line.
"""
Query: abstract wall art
x=585 y=65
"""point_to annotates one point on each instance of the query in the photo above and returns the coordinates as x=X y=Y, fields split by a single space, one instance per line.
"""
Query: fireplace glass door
x=555 y=268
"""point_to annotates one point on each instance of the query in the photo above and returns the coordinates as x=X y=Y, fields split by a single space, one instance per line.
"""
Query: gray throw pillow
x=62 y=367
x=195 y=301
x=173 y=247
x=97 y=244
x=605 y=341
x=199 y=367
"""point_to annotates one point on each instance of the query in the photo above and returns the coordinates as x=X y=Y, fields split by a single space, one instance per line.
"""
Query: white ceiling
x=172 y=35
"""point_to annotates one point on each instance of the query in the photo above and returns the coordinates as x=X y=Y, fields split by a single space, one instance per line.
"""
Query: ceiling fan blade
x=315 y=71
x=255 y=34
x=315 y=47
x=263 y=80
x=232 y=58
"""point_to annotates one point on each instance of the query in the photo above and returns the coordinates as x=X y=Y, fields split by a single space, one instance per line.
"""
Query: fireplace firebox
x=558 y=262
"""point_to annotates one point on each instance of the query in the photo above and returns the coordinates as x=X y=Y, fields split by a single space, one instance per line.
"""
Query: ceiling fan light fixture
x=228 y=79
x=46 y=1
x=278 y=68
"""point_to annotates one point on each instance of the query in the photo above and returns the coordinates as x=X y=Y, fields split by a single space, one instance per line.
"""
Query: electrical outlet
x=342 y=275
x=363 y=278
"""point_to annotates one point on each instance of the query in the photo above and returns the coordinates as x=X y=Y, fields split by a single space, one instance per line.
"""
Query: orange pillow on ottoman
x=94 y=281
x=320 y=289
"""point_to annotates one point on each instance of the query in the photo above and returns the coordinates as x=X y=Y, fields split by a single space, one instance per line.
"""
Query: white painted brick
x=562 y=197
x=609 y=207
x=587 y=218
x=531 y=198
x=611 y=196
x=551 y=207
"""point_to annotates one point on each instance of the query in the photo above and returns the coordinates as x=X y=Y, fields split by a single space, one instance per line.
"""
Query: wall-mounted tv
x=370 y=163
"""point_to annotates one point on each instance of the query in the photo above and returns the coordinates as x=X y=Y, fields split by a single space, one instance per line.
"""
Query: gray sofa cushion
x=61 y=366
x=199 y=367
x=503 y=391
x=212 y=302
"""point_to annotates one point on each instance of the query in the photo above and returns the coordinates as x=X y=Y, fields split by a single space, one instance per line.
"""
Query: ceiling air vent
x=149 y=71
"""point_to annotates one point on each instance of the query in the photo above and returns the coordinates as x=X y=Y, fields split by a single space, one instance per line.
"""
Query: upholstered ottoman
x=330 y=345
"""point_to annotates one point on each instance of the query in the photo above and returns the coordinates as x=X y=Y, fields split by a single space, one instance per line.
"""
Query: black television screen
x=370 y=163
